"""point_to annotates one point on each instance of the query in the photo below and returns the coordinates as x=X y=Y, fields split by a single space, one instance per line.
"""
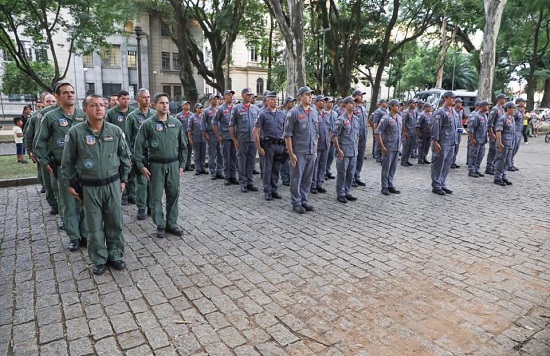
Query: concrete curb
x=18 y=182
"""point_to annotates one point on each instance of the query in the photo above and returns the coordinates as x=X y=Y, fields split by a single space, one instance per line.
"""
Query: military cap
x=228 y=92
x=411 y=101
x=289 y=99
x=509 y=105
x=246 y=91
x=502 y=96
x=448 y=94
x=270 y=94
x=329 y=99
x=304 y=90
x=393 y=102
x=483 y=103
x=519 y=100
x=198 y=106
x=458 y=100
x=319 y=98
x=382 y=101
x=358 y=92
x=347 y=100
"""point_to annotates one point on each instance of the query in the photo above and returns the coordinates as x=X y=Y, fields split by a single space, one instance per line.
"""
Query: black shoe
x=119 y=265
x=188 y=168
x=420 y=162
x=360 y=183
x=351 y=197
x=244 y=190
x=276 y=195
x=42 y=191
x=140 y=214
x=203 y=171
x=178 y=231
x=287 y=184
x=342 y=199
x=255 y=172
x=161 y=233
x=354 y=184
x=438 y=191
x=313 y=191
x=299 y=209
x=83 y=243
x=220 y=176
x=99 y=269
x=446 y=190
x=74 y=245
x=321 y=190
x=457 y=165
x=54 y=211
x=473 y=174
x=489 y=172
x=234 y=181
x=330 y=176
x=480 y=174
x=308 y=207
x=148 y=211
x=213 y=177
x=385 y=191
x=131 y=200
x=393 y=190
x=268 y=196
x=409 y=164
x=427 y=162
x=227 y=182
x=499 y=182
x=252 y=188
x=198 y=173
x=124 y=201
x=506 y=181
x=515 y=168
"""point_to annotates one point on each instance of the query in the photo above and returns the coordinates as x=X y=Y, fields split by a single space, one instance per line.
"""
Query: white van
x=432 y=96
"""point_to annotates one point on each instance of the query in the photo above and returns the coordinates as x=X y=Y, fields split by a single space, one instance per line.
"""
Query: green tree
x=86 y=23
x=16 y=81
x=459 y=72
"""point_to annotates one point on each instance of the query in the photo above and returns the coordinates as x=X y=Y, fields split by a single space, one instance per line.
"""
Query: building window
x=26 y=49
x=230 y=83
x=111 y=89
x=110 y=57
x=132 y=61
x=259 y=86
x=164 y=30
x=6 y=56
x=88 y=60
x=165 y=58
x=253 y=54
x=177 y=93
x=175 y=61
x=167 y=89
x=90 y=88
x=129 y=26
x=41 y=52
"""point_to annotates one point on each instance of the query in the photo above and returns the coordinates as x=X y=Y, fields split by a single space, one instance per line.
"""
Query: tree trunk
x=493 y=16
x=545 y=102
x=534 y=63
x=444 y=46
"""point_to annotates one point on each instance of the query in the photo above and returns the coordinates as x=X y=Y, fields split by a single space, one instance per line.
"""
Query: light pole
x=138 y=31
x=325 y=30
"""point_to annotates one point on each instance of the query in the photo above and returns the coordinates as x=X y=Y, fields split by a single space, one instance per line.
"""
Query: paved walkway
x=467 y=274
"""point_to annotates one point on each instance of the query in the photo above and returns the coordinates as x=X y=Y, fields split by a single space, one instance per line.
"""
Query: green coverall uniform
x=167 y=154
x=96 y=158
x=49 y=145
x=135 y=119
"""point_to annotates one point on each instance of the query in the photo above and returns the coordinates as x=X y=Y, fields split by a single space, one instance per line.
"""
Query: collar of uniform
x=100 y=132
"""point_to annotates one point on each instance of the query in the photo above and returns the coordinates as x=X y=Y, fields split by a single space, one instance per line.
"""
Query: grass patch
x=11 y=169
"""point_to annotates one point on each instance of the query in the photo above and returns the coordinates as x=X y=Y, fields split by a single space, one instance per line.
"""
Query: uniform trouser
x=517 y=143
x=457 y=146
x=165 y=178
x=48 y=186
x=376 y=153
x=389 y=165
x=330 y=158
x=525 y=133
x=415 y=148
x=502 y=160
x=130 y=190
x=408 y=145
x=285 y=171
x=345 y=168
x=189 y=154
x=56 y=191
x=103 y=212
x=246 y=158
x=229 y=159
x=424 y=147
x=319 y=169
x=274 y=156
x=200 y=155
x=360 y=159
x=491 y=156
x=73 y=214
x=215 y=157
x=39 y=175
x=300 y=178
x=441 y=162
x=141 y=191
x=475 y=156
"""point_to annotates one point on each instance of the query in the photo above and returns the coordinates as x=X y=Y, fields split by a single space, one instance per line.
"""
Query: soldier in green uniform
x=164 y=137
x=93 y=153
x=49 y=149
x=118 y=116
x=135 y=119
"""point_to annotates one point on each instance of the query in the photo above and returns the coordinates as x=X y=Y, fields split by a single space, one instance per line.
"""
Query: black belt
x=274 y=140
x=99 y=182
x=163 y=160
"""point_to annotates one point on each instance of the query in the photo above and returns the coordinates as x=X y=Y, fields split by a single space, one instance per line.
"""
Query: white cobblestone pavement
x=415 y=273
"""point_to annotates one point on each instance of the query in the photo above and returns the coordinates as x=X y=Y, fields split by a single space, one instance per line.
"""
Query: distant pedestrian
x=26 y=114
x=504 y=132
x=388 y=135
x=18 y=137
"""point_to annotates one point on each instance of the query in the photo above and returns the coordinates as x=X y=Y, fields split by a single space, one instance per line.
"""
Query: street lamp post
x=138 y=31
x=325 y=30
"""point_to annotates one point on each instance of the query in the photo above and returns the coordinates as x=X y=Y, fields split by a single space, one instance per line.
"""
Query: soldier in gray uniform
x=505 y=129
x=423 y=134
x=496 y=112
x=241 y=126
x=374 y=120
x=477 y=138
x=388 y=135
x=289 y=103
x=459 y=115
x=332 y=116
x=409 y=133
x=194 y=133
x=361 y=113
x=324 y=129
x=215 y=157
x=419 y=109
x=518 y=117
x=269 y=138
x=346 y=138
x=443 y=142
x=220 y=125
x=301 y=142
x=183 y=116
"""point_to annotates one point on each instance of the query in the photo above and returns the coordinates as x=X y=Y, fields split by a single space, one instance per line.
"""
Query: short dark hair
x=158 y=96
x=59 y=85
x=17 y=119
x=85 y=102
x=122 y=93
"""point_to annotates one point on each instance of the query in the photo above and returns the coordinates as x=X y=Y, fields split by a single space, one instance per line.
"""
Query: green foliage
x=15 y=81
